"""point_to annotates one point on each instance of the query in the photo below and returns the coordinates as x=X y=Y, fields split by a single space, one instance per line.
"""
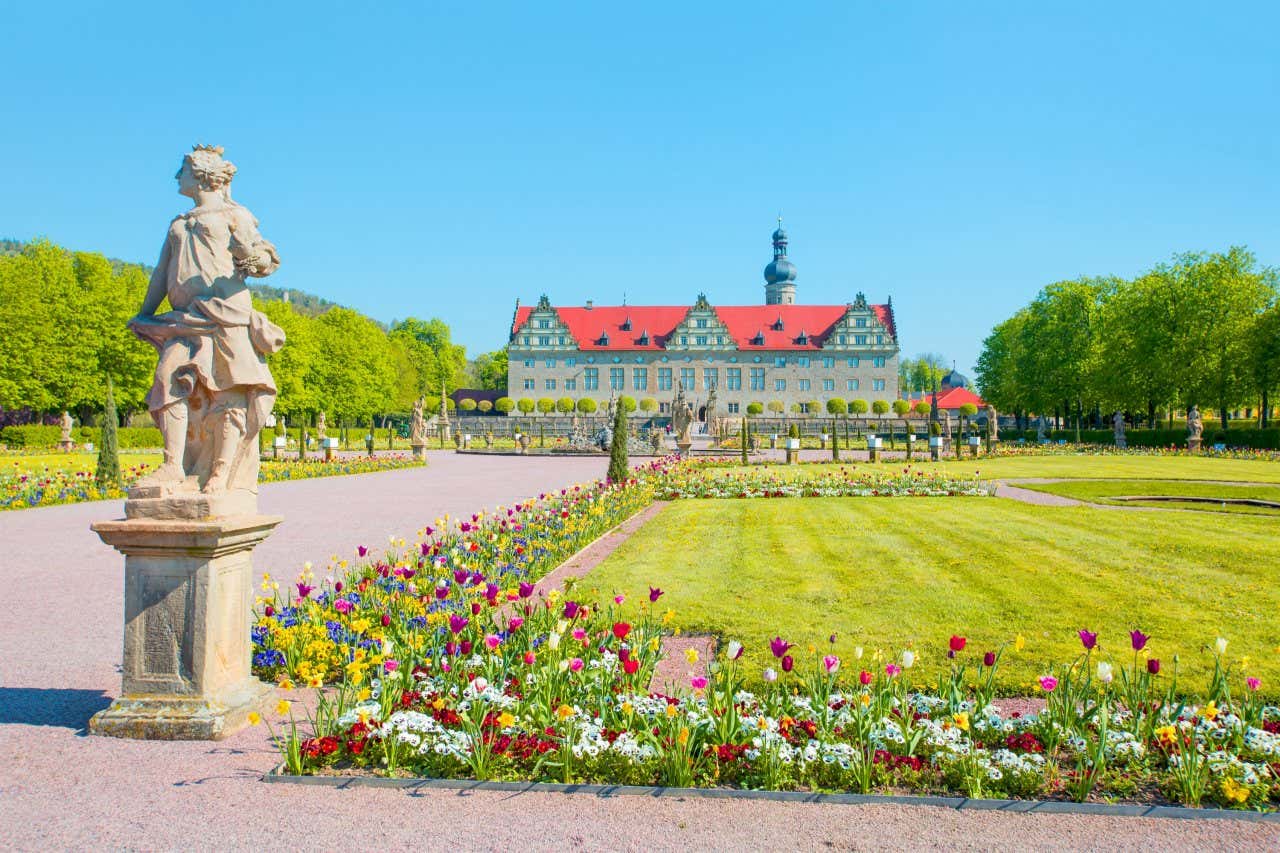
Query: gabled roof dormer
x=701 y=329
x=541 y=328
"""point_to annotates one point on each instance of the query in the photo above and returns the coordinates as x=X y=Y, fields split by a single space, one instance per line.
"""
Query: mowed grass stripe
x=887 y=572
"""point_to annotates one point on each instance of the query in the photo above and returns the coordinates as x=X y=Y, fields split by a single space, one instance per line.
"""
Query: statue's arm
x=157 y=290
x=254 y=255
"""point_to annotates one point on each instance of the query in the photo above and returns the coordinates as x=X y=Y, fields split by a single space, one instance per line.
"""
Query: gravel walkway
x=59 y=663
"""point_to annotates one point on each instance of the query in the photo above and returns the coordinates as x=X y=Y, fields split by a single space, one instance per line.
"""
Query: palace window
x=861 y=322
x=877 y=384
x=719 y=339
x=828 y=362
x=860 y=340
x=562 y=340
x=570 y=384
x=551 y=362
x=684 y=340
x=734 y=377
x=664 y=378
x=802 y=360
x=710 y=378
x=851 y=385
x=526 y=340
x=733 y=408
x=529 y=384
x=757 y=379
x=843 y=339
x=617 y=378
x=640 y=378
x=828 y=385
x=878 y=361
x=879 y=339
x=544 y=324
x=551 y=385
x=663 y=408
x=779 y=384
x=701 y=323
x=591 y=379
x=853 y=362
x=544 y=340
x=803 y=384
x=570 y=362
x=529 y=362
x=700 y=340
x=688 y=378
x=780 y=361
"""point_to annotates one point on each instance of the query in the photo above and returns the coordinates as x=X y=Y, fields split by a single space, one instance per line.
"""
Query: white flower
x=1104 y=672
x=770 y=675
x=908 y=658
x=857 y=652
x=1221 y=645
x=553 y=642
x=735 y=649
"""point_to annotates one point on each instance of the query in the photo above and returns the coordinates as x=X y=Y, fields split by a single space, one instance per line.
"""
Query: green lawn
x=887 y=572
x=1086 y=466
x=1103 y=491
x=74 y=461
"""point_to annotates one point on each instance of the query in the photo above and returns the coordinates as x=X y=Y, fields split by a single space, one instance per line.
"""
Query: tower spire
x=780 y=275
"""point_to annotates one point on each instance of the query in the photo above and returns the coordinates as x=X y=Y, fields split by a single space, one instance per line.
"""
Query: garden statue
x=1117 y=426
x=710 y=416
x=655 y=440
x=681 y=418
x=191 y=525
x=321 y=426
x=1040 y=436
x=946 y=427
x=993 y=424
x=1195 y=429
x=212 y=389
x=66 y=442
x=418 y=429
x=443 y=422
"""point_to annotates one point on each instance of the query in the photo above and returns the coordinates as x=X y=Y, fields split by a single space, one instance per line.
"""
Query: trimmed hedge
x=39 y=435
x=1251 y=437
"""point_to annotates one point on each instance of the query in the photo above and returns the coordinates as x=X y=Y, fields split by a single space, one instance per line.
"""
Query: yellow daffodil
x=283 y=706
x=628 y=708
x=691 y=655
x=961 y=721
x=1210 y=711
x=683 y=737
x=285 y=683
x=1234 y=791
x=506 y=720
x=254 y=718
x=564 y=712
x=1019 y=643
x=1167 y=735
x=671 y=711
x=364 y=694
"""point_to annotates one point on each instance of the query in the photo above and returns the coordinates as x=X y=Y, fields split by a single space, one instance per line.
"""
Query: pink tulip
x=492 y=641
x=831 y=662
x=575 y=664
x=529 y=658
x=514 y=624
x=1048 y=683
x=892 y=670
x=698 y=682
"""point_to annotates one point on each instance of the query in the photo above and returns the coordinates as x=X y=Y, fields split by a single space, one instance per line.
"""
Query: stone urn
x=525 y=441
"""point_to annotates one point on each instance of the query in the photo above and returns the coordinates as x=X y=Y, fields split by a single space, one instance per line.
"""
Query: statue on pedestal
x=321 y=426
x=681 y=418
x=212 y=390
x=1040 y=436
x=418 y=428
x=710 y=417
x=65 y=441
x=1195 y=429
x=1117 y=428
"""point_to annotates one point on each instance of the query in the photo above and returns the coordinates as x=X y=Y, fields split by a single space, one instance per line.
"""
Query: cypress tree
x=835 y=442
x=745 y=438
x=619 y=468
x=108 y=473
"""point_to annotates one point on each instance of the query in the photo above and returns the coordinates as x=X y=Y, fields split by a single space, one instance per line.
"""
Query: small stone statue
x=946 y=426
x=418 y=425
x=65 y=441
x=1195 y=428
x=444 y=408
x=710 y=417
x=321 y=426
x=993 y=424
x=1117 y=427
x=1040 y=436
x=681 y=418
x=655 y=441
x=212 y=390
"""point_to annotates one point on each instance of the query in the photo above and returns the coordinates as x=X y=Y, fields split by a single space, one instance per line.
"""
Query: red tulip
x=621 y=629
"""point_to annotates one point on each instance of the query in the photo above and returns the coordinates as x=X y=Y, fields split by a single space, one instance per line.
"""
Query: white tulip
x=1221 y=645
x=908 y=658
x=1104 y=672
x=735 y=649
x=857 y=652
x=770 y=675
x=553 y=642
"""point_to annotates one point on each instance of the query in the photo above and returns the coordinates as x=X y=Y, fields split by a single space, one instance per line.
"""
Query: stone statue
x=1195 y=426
x=681 y=417
x=212 y=390
x=418 y=424
x=321 y=426
x=1040 y=436
x=444 y=407
x=993 y=424
x=66 y=422
x=946 y=426
x=710 y=417
x=1117 y=427
x=655 y=441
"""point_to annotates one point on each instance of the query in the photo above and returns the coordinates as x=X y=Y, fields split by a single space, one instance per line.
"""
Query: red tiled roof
x=589 y=326
x=957 y=397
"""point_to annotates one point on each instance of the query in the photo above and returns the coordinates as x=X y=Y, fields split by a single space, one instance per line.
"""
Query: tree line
x=1202 y=329
x=63 y=332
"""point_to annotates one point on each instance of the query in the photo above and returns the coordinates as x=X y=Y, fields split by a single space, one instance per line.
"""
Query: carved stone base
x=1193 y=444
x=419 y=451
x=185 y=502
x=683 y=446
x=187 y=608
x=167 y=717
x=66 y=446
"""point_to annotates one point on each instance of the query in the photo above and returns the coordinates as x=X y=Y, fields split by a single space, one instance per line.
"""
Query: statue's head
x=204 y=169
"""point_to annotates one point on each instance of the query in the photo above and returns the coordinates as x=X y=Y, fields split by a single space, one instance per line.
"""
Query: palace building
x=779 y=351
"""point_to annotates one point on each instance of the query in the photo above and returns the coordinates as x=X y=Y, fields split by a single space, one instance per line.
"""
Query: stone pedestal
x=419 y=451
x=66 y=445
x=683 y=447
x=1193 y=445
x=187 y=610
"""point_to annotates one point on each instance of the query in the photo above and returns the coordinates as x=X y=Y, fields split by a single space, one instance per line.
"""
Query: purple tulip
x=442 y=592
x=1088 y=639
x=779 y=646
x=788 y=664
x=654 y=594
x=1138 y=639
x=526 y=589
x=989 y=659
x=570 y=609
x=1153 y=666
x=457 y=623
x=460 y=576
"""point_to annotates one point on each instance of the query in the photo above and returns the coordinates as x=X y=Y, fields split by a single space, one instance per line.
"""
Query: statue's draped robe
x=213 y=339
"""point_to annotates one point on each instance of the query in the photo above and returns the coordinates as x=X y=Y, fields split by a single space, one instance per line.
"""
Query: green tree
x=627 y=404
x=648 y=404
x=755 y=408
x=546 y=405
x=586 y=405
x=447 y=362
x=564 y=405
x=858 y=407
x=526 y=405
x=837 y=406
x=504 y=405
x=776 y=406
x=619 y=468
x=489 y=370
x=107 y=475
x=467 y=404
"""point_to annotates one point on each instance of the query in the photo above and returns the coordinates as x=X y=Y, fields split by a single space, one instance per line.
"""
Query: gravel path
x=59 y=663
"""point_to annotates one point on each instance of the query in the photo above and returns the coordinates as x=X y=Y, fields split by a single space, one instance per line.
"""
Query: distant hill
x=302 y=302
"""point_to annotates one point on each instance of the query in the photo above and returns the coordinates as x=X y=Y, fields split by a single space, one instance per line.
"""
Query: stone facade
x=779 y=351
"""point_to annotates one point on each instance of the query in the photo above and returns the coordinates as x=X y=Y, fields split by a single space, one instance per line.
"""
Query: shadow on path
x=59 y=707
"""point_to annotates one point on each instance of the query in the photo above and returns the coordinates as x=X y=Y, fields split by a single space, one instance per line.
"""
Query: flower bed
x=704 y=480
x=23 y=487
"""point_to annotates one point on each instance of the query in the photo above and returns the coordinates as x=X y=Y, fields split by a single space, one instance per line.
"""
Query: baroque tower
x=780 y=274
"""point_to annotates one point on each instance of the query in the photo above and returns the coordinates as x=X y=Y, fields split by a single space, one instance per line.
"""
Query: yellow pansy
x=564 y=712
x=961 y=720
x=506 y=719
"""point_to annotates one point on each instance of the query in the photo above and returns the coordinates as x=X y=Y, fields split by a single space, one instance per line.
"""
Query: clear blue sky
x=444 y=159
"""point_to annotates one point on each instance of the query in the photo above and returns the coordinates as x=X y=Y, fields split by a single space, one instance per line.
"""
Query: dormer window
x=803 y=340
x=626 y=325
x=777 y=324
x=758 y=340
x=603 y=340
x=644 y=338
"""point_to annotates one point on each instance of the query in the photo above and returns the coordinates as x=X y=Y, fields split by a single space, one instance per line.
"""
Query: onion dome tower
x=780 y=274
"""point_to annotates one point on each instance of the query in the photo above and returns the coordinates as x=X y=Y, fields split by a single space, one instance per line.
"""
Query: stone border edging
x=276 y=776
